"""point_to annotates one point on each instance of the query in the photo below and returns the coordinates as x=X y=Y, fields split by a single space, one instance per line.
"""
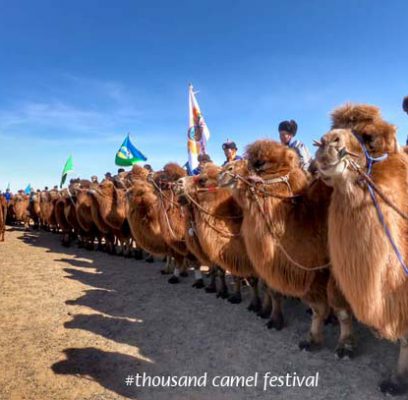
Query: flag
x=68 y=167
x=27 y=190
x=128 y=154
x=8 y=186
x=198 y=132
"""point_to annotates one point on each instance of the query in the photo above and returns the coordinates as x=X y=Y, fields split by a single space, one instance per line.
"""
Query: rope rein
x=253 y=190
x=373 y=189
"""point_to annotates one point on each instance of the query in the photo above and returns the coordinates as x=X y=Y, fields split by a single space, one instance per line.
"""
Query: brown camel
x=142 y=212
x=216 y=220
x=48 y=198
x=367 y=262
x=285 y=233
x=172 y=221
x=109 y=212
x=3 y=216
x=83 y=209
x=20 y=204
x=63 y=223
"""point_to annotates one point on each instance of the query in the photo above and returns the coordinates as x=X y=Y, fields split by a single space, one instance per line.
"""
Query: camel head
x=229 y=174
x=102 y=190
x=206 y=181
x=275 y=166
x=170 y=174
x=355 y=127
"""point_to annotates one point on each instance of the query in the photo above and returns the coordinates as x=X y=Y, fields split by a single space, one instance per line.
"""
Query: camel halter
x=172 y=202
x=372 y=189
x=252 y=190
x=201 y=208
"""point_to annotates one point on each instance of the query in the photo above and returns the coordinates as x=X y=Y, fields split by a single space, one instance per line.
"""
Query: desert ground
x=75 y=324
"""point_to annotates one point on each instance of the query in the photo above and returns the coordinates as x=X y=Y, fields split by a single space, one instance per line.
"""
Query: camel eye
x=367 y=138
x=258 y=164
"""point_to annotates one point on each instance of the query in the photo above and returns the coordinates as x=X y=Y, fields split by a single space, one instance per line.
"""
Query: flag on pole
x=68 y=167
x=128 y=154
x=198 y=132
x=27 y=190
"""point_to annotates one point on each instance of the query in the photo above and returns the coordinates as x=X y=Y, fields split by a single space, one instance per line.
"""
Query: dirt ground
x=75 y=324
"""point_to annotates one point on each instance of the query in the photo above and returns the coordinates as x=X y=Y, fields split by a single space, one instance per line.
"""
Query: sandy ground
x=74 y=324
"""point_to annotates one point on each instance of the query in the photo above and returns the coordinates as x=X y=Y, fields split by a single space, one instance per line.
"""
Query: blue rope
x=370 y=162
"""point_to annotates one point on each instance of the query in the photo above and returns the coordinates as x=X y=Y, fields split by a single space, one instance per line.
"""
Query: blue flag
x=27 y=190
x=128 y=154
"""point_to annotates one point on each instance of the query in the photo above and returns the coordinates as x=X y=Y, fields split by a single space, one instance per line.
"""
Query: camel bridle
x=373 y=189
x=253 y=190
x=194 y=204
x=159 y=189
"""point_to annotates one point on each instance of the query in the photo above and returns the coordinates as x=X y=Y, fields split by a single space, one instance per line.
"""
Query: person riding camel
x=287 y=133
x=202 y=160
x=230 y=151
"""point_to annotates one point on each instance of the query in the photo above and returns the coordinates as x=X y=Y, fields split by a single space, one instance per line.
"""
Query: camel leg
x=346 y=344
x=184 y=267
x=175 y=278
x=212 y=287
x=397 y=383
x=167 y=268
x=150 y=259
x=314 y=341
x=255 y=304
x=223 y=290
x=266 y=309
x=199 y=281
x=236 y=298
x=276 y=320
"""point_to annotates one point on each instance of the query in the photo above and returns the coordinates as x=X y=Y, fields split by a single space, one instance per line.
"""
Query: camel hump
x=350 y=115
x=174 y=171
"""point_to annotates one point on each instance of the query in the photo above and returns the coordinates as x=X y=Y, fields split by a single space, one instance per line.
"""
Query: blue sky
x=76 y=76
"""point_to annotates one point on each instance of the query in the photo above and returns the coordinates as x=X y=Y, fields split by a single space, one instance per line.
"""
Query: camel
x=142 y=213
x=3 y=216
x=83 y=209
x=109 y=212
x=285 y=233
x=216 y=220
x=367 y=262
x=63 y=223
x=172 y=221
x=20 y=204
x=48 y=198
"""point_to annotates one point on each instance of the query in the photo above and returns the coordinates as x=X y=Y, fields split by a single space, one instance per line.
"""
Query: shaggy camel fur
x=62 y=222
x=285 y=232
x=142 y=211
x=20 y=204
x=217 y=224
x=172 y=221
x=83 y=209
x=3 y=216
x=47 y=205
x=109 y=212
x=364 y=262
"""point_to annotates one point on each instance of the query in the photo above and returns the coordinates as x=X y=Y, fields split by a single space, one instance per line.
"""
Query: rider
x=202 y=160
x=230 y=151
x=287 y=132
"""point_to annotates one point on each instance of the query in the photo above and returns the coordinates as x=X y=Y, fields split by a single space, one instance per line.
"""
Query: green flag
x=69 y=167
